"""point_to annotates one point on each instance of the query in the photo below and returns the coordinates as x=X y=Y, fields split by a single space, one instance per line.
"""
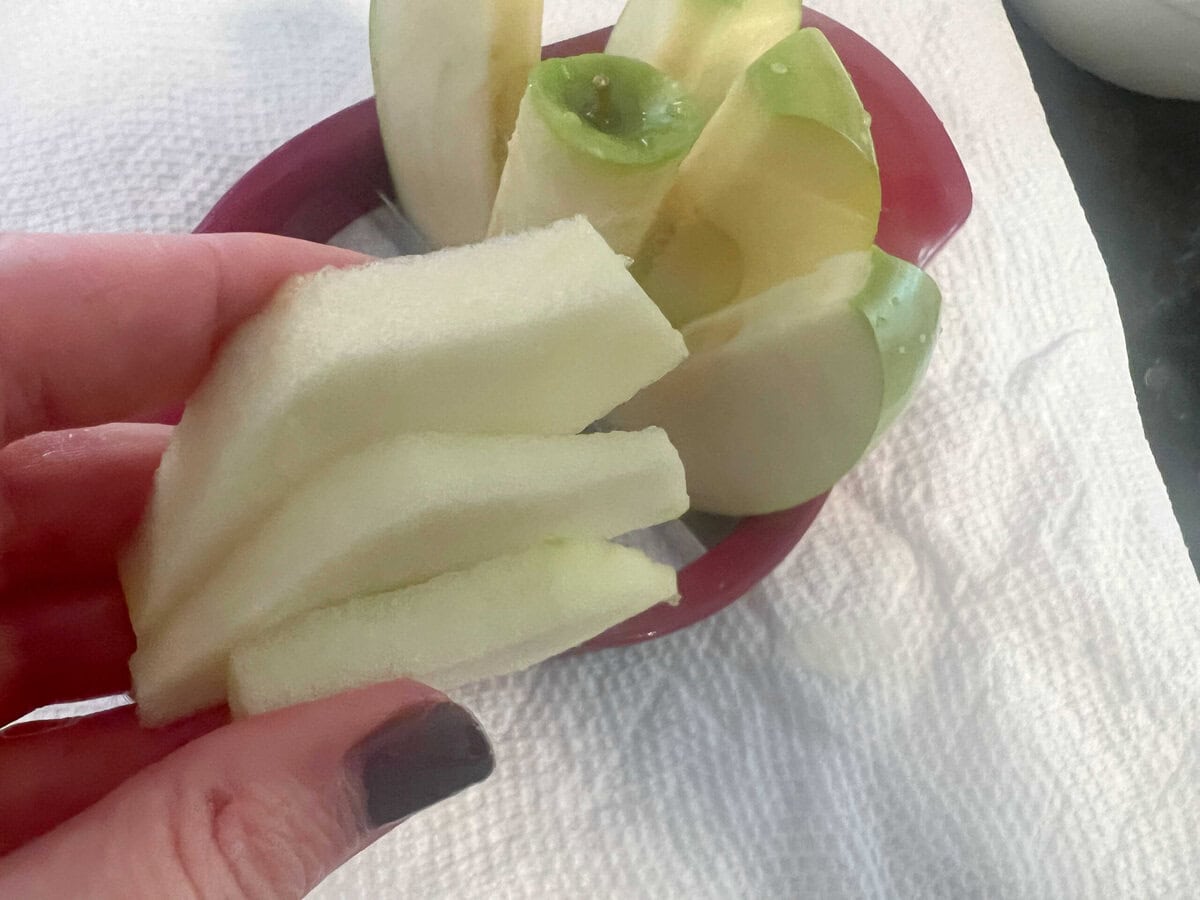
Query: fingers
x=52 y=771
x=70 y=499
x=69 y=642
x=264 y=807
x=100 y=328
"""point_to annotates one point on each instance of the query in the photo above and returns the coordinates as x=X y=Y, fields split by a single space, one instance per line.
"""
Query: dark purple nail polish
x=419 y=758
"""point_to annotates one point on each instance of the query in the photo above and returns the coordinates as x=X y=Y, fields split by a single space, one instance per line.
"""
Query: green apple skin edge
x=783 y=393
x=903 y=306
x=703 y=44
x=596 y=135
x=448 y=80
x=782 y=178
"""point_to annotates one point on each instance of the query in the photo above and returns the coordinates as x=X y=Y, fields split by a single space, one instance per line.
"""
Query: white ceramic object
x=1150 y=46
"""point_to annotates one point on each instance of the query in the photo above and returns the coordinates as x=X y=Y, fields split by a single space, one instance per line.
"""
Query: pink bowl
x=326 y=177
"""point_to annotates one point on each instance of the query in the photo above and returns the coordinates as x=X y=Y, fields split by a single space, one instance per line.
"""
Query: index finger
x=99 y=328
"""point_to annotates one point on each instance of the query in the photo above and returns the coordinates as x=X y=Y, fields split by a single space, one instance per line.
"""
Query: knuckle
x=260 y=841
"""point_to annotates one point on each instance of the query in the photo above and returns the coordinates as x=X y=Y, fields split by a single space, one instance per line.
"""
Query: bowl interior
x=327 y=177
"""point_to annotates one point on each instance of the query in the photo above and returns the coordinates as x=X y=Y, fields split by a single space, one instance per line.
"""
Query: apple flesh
x=600 y=136
x=499 y=616
x=703 y=44
x=783 y=393
x=448 y=79
x=540 y=333
x=398 y=513
x=782 y=178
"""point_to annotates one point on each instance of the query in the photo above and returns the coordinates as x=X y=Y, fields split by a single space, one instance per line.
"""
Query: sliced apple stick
x=448 y=78
x=703 y=44
x=600 y=136
x=500 y=616
x=539 y=333
x=782 y=178
x=397 y=513
x=784 y=392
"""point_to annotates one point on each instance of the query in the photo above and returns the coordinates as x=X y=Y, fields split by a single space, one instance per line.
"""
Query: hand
x=102 y=329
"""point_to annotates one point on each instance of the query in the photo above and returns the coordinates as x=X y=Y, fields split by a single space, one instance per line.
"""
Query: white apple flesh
x=499 y=616
x=448 y=79
x=398 y=513
x=538 y=333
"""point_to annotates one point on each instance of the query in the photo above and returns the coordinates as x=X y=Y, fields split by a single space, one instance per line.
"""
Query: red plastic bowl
x=326 y=177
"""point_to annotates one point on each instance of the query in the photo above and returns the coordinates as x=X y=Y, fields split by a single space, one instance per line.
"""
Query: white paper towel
x=977 y=675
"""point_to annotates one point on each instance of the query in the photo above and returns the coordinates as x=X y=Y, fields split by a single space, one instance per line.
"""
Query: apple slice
x=598 y=135
x=782 y=178
x=500 y=616
x=703 y=44
x=784 y=392
x=397 y=513
x=539 y=333
x=448 y=79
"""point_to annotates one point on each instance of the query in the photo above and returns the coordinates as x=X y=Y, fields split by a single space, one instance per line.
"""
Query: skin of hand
x=99 y=335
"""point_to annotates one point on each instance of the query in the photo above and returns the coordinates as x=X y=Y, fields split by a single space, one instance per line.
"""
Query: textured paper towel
x=975 y=678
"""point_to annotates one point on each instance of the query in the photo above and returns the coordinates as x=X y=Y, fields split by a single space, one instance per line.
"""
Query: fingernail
x=419 y=758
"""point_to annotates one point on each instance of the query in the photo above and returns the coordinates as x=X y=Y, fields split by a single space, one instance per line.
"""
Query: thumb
x=265 y=807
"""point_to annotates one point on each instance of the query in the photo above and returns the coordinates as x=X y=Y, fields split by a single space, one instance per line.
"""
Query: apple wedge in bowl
x=823 y=362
